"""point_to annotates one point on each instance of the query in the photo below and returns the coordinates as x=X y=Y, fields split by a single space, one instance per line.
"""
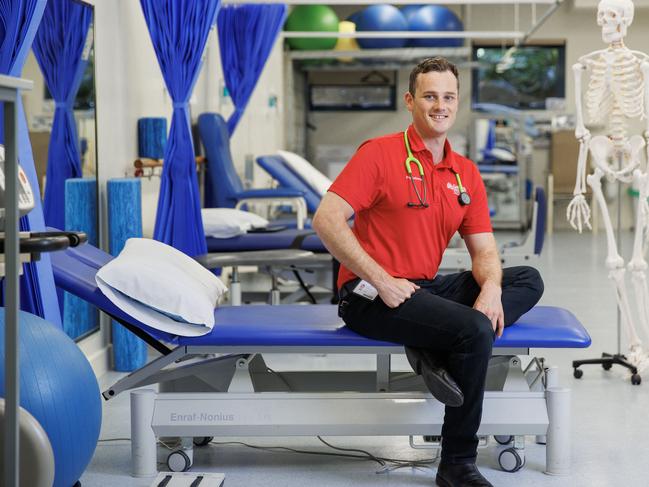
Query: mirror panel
x=79 y=318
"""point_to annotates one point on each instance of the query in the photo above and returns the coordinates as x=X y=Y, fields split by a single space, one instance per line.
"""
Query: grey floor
x=609 y=430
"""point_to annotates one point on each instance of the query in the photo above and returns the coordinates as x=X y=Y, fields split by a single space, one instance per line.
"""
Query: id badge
x=366 y=290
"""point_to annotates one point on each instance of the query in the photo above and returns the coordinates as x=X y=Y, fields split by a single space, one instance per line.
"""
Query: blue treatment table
x=219 y=385
x=284 y=239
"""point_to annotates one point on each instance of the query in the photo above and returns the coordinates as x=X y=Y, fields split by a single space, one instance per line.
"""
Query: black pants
x=439 y=317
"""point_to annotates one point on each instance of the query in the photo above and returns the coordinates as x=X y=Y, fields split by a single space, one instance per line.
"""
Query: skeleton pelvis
x=616 y=160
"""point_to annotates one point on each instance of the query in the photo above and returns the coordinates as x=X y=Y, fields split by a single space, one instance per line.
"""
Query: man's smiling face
x=434 y=104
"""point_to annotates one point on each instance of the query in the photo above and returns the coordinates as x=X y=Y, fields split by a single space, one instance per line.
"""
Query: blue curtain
x=58 y=48
x=179 y=31
x=19 y=20
x=247 y=34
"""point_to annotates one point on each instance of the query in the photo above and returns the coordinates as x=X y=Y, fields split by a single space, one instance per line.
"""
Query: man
x=404 y=218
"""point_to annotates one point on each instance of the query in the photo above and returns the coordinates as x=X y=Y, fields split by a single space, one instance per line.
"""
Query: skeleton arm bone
x=578 y=212
x=645 y=75
x=582 y=134
x=580 y=130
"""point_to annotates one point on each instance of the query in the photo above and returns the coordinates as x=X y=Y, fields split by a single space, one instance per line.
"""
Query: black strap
x=335 y=270
x=297 y=241
x=140 y=333
x=197 y=481
x=164 y=481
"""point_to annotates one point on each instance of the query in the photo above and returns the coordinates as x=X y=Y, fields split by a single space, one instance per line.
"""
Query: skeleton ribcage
x=615 y=89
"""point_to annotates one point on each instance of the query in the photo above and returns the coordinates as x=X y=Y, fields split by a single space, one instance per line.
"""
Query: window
x=521 y=77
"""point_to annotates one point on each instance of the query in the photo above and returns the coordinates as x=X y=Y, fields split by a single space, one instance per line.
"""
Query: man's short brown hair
x=438 y=64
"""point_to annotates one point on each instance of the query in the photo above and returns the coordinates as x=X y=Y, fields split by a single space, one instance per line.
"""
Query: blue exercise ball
x=354 y=17
x=435 y=18
x=58 y=388
x=409 y=10
x=381 y=17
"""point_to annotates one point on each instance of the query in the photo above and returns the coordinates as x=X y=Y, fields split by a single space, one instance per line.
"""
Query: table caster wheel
x=578 y=373
x=178 y=461
x=432 y=439
x=510 y=460
x=503 y=439
x=635 y=379
x=202 y=440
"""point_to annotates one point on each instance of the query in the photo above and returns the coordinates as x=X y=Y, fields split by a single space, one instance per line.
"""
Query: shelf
x=397 y=2
x=406 y=34
x=398 y=54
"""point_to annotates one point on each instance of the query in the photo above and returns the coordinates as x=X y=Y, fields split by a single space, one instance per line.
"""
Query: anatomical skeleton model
x=618 y=90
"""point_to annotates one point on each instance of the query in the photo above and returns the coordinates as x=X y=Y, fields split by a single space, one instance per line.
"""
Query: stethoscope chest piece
x=464 y=198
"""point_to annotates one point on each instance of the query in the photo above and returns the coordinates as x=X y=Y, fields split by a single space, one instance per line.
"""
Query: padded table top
x=298 y=325
x=319 y=325
x=284 y=239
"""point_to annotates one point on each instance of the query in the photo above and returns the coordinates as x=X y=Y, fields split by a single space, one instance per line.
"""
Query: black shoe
x=439 y=382
x=462 y=475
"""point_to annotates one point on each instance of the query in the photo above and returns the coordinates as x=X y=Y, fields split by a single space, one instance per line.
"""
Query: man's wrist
x=491 y=285
x=381 y=281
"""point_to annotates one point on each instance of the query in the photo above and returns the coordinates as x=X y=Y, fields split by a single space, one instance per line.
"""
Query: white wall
x=33 y=99
x=575 y=25
x=130 y=86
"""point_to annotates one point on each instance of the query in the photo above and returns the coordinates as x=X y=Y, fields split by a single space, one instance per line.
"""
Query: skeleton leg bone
x=615 y=263
x=638 y=265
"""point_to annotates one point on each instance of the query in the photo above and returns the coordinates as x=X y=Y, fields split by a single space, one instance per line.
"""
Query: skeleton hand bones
x=578 y=213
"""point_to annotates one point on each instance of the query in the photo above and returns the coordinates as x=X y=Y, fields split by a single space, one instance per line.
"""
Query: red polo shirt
x=409 y=242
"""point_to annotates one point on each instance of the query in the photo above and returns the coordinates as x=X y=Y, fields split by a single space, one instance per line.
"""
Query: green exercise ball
x=314 y=18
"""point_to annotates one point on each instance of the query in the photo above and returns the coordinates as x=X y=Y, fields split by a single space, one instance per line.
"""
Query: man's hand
x=395 y=291
x=489 y=302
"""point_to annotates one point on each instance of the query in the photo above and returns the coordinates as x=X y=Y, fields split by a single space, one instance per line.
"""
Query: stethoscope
x=463 y=198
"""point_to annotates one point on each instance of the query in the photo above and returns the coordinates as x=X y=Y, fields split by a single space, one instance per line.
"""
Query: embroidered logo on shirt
x=454 y=188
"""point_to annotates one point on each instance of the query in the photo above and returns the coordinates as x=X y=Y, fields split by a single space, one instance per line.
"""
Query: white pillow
x=318 y=181
x=228 y=222
x=162 y=287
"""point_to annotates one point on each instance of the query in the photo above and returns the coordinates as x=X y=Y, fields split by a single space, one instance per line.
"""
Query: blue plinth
x=152 y=137
x=124 y=222
x=79 y=316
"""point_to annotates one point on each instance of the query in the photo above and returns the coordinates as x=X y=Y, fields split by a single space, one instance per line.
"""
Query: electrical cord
x=387 y=464
x=397 y=463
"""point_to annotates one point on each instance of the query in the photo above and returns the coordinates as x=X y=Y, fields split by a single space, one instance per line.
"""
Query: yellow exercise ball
x=346 y=43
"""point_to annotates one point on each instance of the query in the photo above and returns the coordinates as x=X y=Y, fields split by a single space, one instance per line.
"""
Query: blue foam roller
x=79 y=316
x=124 y=222
x=152 y=137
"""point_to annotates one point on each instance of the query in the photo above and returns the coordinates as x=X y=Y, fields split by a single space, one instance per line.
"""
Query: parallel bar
x=9 y=93
x=407 y=53
x=406 y=34
x=396 y=2
x=15 y=84
x=12 y=296
x=537 y=25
